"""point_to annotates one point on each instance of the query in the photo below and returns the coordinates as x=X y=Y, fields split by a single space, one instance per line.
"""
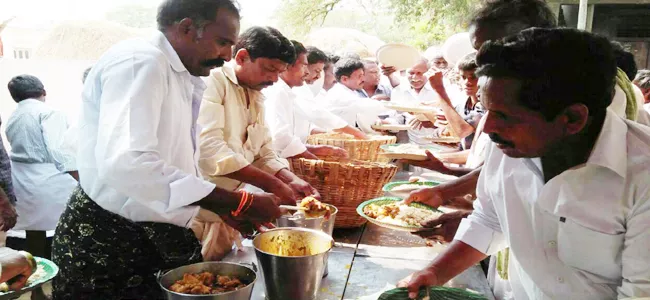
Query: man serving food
x=565 y=183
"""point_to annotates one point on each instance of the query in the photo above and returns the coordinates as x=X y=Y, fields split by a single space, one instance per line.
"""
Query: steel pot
x=244 y=273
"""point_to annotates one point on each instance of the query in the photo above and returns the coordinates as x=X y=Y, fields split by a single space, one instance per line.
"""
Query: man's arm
x=635 y=256
x=127 y=155
x=280 y=119
x=459 y=126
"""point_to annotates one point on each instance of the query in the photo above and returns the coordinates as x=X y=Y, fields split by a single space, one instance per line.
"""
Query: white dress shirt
x=39 y=162
x=405 y=94
x=356 y=111
x=288 y=123
x=582 y=235
x=137 y=134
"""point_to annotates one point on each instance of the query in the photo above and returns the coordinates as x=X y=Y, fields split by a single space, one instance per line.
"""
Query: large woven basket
x=345 y=185
x=366 y=150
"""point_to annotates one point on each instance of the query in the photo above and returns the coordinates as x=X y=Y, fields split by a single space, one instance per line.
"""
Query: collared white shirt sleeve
x=482 y=229
x=127 y=148
x=55 y=127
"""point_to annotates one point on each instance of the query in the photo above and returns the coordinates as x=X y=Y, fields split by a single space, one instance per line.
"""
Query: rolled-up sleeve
x=636 y=256
x=217 y=158
x=127 y=155
x=482 y=229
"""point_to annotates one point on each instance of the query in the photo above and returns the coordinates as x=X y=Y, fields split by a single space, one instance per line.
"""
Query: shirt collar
x=610 y=150
x=228 y=70
x=284 y=86
x=160 y=40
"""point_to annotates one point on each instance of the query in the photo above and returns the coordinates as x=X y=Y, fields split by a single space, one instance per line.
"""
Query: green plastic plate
x=388 y=188
x=435 y=293
x=51 y=270
x=386 y=201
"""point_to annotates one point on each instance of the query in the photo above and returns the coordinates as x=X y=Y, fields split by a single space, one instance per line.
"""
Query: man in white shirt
x=565 y=183
x=140 y=182
x=40 y=166
x=343 y=99
x=291 y=121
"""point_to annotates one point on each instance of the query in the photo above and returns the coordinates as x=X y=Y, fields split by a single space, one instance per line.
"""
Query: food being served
x=400 y=214
x=315 y=208
x=407 y=187
x=407 y=149
x=290 y=245
x=206 y=283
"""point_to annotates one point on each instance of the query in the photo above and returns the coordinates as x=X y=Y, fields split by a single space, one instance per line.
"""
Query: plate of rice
x=392 y=213
x=46 y=270
x=402 y=189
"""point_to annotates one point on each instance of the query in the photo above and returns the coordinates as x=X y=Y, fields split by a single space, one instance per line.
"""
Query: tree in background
x=421 y=23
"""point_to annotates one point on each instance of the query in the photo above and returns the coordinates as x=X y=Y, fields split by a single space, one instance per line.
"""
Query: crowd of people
x=183 y=140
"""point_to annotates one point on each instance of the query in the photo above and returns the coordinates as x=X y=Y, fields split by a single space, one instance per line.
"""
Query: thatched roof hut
x=84 y=41
x=343 y=40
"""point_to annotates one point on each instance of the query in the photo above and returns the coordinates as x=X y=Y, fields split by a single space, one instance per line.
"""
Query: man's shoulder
x=133 y=51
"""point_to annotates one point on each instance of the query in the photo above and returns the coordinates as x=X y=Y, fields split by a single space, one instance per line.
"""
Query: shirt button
x=552 y=243
x=560 y=280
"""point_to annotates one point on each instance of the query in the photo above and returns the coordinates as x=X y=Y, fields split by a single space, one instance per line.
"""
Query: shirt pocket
x=591 y=251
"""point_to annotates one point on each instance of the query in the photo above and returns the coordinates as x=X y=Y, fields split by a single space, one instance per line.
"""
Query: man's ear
x=575 y=118
x=186 y=29
x=241 y=56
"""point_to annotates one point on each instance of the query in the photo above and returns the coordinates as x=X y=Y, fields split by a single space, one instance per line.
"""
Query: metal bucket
x=244 y=273
x=298 y=275
x=321 y=224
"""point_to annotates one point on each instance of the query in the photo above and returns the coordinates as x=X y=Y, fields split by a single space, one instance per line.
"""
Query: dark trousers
x=102 y=255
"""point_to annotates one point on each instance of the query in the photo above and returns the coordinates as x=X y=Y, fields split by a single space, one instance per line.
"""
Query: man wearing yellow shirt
x=236 y=144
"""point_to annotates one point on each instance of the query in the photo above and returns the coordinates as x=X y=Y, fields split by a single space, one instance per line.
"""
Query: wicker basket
x=365 y=150
x=345 y=185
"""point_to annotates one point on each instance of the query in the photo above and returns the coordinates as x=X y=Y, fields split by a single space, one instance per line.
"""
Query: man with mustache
x=140 y=184
x=565 y=182
x=236 y=144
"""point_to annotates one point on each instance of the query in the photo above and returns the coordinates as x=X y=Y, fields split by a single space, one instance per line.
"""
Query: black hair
x=200 y=11
x=85 y=74
x=625 y=60
x=315 y=55
x=557 y=68
x=266 y=42
x=468 y=63
x=298 y=47
x=24 y=87
x=346 y=66
x=642 y=79
x=506 y=13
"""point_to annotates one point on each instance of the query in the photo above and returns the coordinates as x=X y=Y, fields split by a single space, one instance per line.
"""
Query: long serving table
x=369 y=260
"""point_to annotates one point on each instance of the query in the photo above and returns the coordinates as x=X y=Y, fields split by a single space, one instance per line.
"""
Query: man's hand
x=431 y=196
x=432 y=163
x=306 y=155
x=14 y=266
x=264 y=208
x=436 y=81
x=443 y=229
x=417 y=124
x=8 y=215
x=325 y=150
x=418 y=280
x=284 y=192
x=387 y=71
x=303 y=189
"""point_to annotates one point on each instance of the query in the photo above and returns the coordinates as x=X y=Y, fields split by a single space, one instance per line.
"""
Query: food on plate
x=315 y=208
x=414 y=179
x=407 y=187
x=407 y=149
x=38 y=272
x=400 y=214
x=206 y=283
